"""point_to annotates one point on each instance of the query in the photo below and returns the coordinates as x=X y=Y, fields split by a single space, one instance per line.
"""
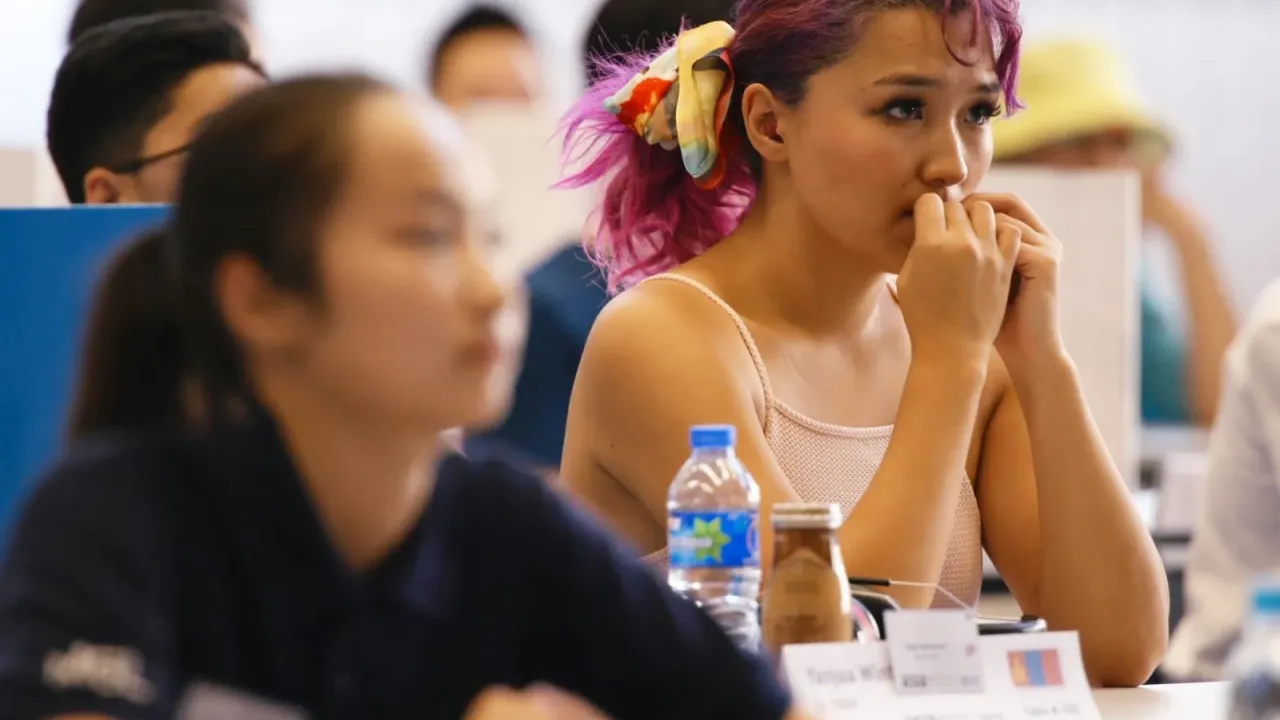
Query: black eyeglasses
x=133 y=166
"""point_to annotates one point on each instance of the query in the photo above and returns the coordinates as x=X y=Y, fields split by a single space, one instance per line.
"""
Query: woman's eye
x=904 y=110
x=429 y=236
x=982 y=113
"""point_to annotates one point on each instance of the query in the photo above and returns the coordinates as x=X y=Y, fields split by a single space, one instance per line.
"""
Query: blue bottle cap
x=1266 y=597
x=713 y=437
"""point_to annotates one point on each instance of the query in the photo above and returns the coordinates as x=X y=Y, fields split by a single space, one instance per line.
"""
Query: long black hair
x=257 y=185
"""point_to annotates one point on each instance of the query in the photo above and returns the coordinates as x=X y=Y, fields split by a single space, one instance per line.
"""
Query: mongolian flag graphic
x=1035 y=668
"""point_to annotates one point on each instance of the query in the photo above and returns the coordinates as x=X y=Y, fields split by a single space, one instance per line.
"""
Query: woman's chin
x=495 y=402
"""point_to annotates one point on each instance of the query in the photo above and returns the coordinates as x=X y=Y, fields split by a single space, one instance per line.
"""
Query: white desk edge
x=1190 y=701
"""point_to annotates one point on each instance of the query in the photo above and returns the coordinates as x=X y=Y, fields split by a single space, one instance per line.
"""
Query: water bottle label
x=713 y=539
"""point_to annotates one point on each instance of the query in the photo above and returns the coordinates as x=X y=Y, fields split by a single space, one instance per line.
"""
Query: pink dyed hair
x=652 y=216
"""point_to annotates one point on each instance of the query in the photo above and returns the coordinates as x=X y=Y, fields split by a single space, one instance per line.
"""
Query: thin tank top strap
x=738 y=322
x=893 y=288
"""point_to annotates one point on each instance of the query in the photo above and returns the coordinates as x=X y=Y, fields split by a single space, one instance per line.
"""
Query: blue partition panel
x=50 y=262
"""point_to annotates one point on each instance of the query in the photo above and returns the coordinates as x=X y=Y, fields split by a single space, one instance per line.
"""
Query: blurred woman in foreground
x=279 y=532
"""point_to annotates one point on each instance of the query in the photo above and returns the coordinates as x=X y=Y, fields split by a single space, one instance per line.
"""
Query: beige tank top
x=834 y=464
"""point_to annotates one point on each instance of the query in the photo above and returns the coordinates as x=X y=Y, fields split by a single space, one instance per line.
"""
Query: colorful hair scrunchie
x=681 y=100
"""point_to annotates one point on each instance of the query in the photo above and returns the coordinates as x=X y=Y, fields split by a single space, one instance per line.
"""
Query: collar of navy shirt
x=275 y=520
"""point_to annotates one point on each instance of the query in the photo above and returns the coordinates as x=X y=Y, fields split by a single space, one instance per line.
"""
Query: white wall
x=1207 y=66
x=386 y=36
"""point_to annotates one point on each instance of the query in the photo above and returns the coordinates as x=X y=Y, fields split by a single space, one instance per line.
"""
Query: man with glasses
x=130 y=97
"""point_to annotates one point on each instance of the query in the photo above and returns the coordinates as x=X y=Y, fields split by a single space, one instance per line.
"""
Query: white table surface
x=1191 y=701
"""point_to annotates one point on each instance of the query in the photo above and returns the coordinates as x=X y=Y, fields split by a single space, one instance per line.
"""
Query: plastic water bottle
x=713 y=511
x=1254 y=667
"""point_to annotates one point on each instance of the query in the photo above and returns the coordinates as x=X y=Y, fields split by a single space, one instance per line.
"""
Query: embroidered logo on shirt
x=206 y=701
x=104 y=670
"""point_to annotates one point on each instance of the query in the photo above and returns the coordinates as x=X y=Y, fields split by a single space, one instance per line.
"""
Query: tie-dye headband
x=681 y=100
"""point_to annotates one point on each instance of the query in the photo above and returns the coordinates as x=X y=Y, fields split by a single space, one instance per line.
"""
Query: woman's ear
x=263 y=318
x=764 y=118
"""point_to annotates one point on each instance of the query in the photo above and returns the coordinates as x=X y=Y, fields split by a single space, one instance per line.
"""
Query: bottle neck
x=714 y=452
x=787 y=540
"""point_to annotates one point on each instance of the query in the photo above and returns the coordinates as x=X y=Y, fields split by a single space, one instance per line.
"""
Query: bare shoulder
x=661 y=356
x=667 y=325
x=672 y=305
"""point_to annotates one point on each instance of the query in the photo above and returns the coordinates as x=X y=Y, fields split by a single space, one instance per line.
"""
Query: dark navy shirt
x=146 y=566
x=566 y=293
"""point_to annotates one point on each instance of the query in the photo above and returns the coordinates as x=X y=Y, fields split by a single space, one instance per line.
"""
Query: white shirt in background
x=1237 y=537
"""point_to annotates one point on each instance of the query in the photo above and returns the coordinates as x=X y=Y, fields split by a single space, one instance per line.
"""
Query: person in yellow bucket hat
x=1083 y=112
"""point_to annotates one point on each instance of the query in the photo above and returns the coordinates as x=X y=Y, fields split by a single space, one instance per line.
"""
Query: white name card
x=934 y=652
x=1024 y=676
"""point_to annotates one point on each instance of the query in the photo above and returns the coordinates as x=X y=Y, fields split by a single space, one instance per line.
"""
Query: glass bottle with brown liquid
x=806 y=598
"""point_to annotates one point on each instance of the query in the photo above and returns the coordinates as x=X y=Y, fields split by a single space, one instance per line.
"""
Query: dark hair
x=644 y=27
x=117 y=80
x=131 y=341
x=474 y=19
x=653 y=215
x=94 y=13
x=258 y=184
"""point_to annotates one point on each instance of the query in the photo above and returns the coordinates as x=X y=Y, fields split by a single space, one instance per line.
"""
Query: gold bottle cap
x=806 y=516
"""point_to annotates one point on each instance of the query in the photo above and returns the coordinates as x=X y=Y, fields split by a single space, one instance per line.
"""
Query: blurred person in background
x=303 y=548
x=90 y=14
x=1082 y=112
x=567 y=291
x=485 y=56
x=1236 y=540
x=130 y=96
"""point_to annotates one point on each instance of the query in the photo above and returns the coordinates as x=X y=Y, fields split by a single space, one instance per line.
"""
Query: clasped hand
x=955 y=285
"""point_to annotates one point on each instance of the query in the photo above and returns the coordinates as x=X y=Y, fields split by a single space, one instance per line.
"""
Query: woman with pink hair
x=790 y=206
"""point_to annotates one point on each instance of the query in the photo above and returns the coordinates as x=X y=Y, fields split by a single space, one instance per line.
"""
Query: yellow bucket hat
x=1075 y=88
